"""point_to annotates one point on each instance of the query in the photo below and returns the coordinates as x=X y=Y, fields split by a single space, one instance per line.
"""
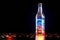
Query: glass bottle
x=40 y=23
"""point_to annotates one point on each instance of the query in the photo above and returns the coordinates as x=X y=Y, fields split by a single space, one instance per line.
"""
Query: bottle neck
x=40 y=11
x=40 y=8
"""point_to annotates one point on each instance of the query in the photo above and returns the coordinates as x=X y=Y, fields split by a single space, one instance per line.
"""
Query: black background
x=19 y=16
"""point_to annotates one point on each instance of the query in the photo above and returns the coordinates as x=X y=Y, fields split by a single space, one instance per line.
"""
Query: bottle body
x=40 y=23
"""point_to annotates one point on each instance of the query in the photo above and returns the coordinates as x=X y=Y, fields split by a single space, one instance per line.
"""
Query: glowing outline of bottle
x=42 y=35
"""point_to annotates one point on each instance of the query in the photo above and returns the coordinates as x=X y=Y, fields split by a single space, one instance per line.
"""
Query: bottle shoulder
x=40 y=16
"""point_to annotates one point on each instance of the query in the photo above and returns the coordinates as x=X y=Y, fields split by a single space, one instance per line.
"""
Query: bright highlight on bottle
x=40 y=37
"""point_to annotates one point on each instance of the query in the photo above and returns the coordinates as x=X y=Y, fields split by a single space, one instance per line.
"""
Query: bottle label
x=40 y=22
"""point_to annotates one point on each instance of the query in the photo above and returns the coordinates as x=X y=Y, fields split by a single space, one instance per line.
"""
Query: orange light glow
x=40 y=37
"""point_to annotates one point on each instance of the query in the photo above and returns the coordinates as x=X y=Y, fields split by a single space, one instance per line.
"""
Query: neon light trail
x=40 y=24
